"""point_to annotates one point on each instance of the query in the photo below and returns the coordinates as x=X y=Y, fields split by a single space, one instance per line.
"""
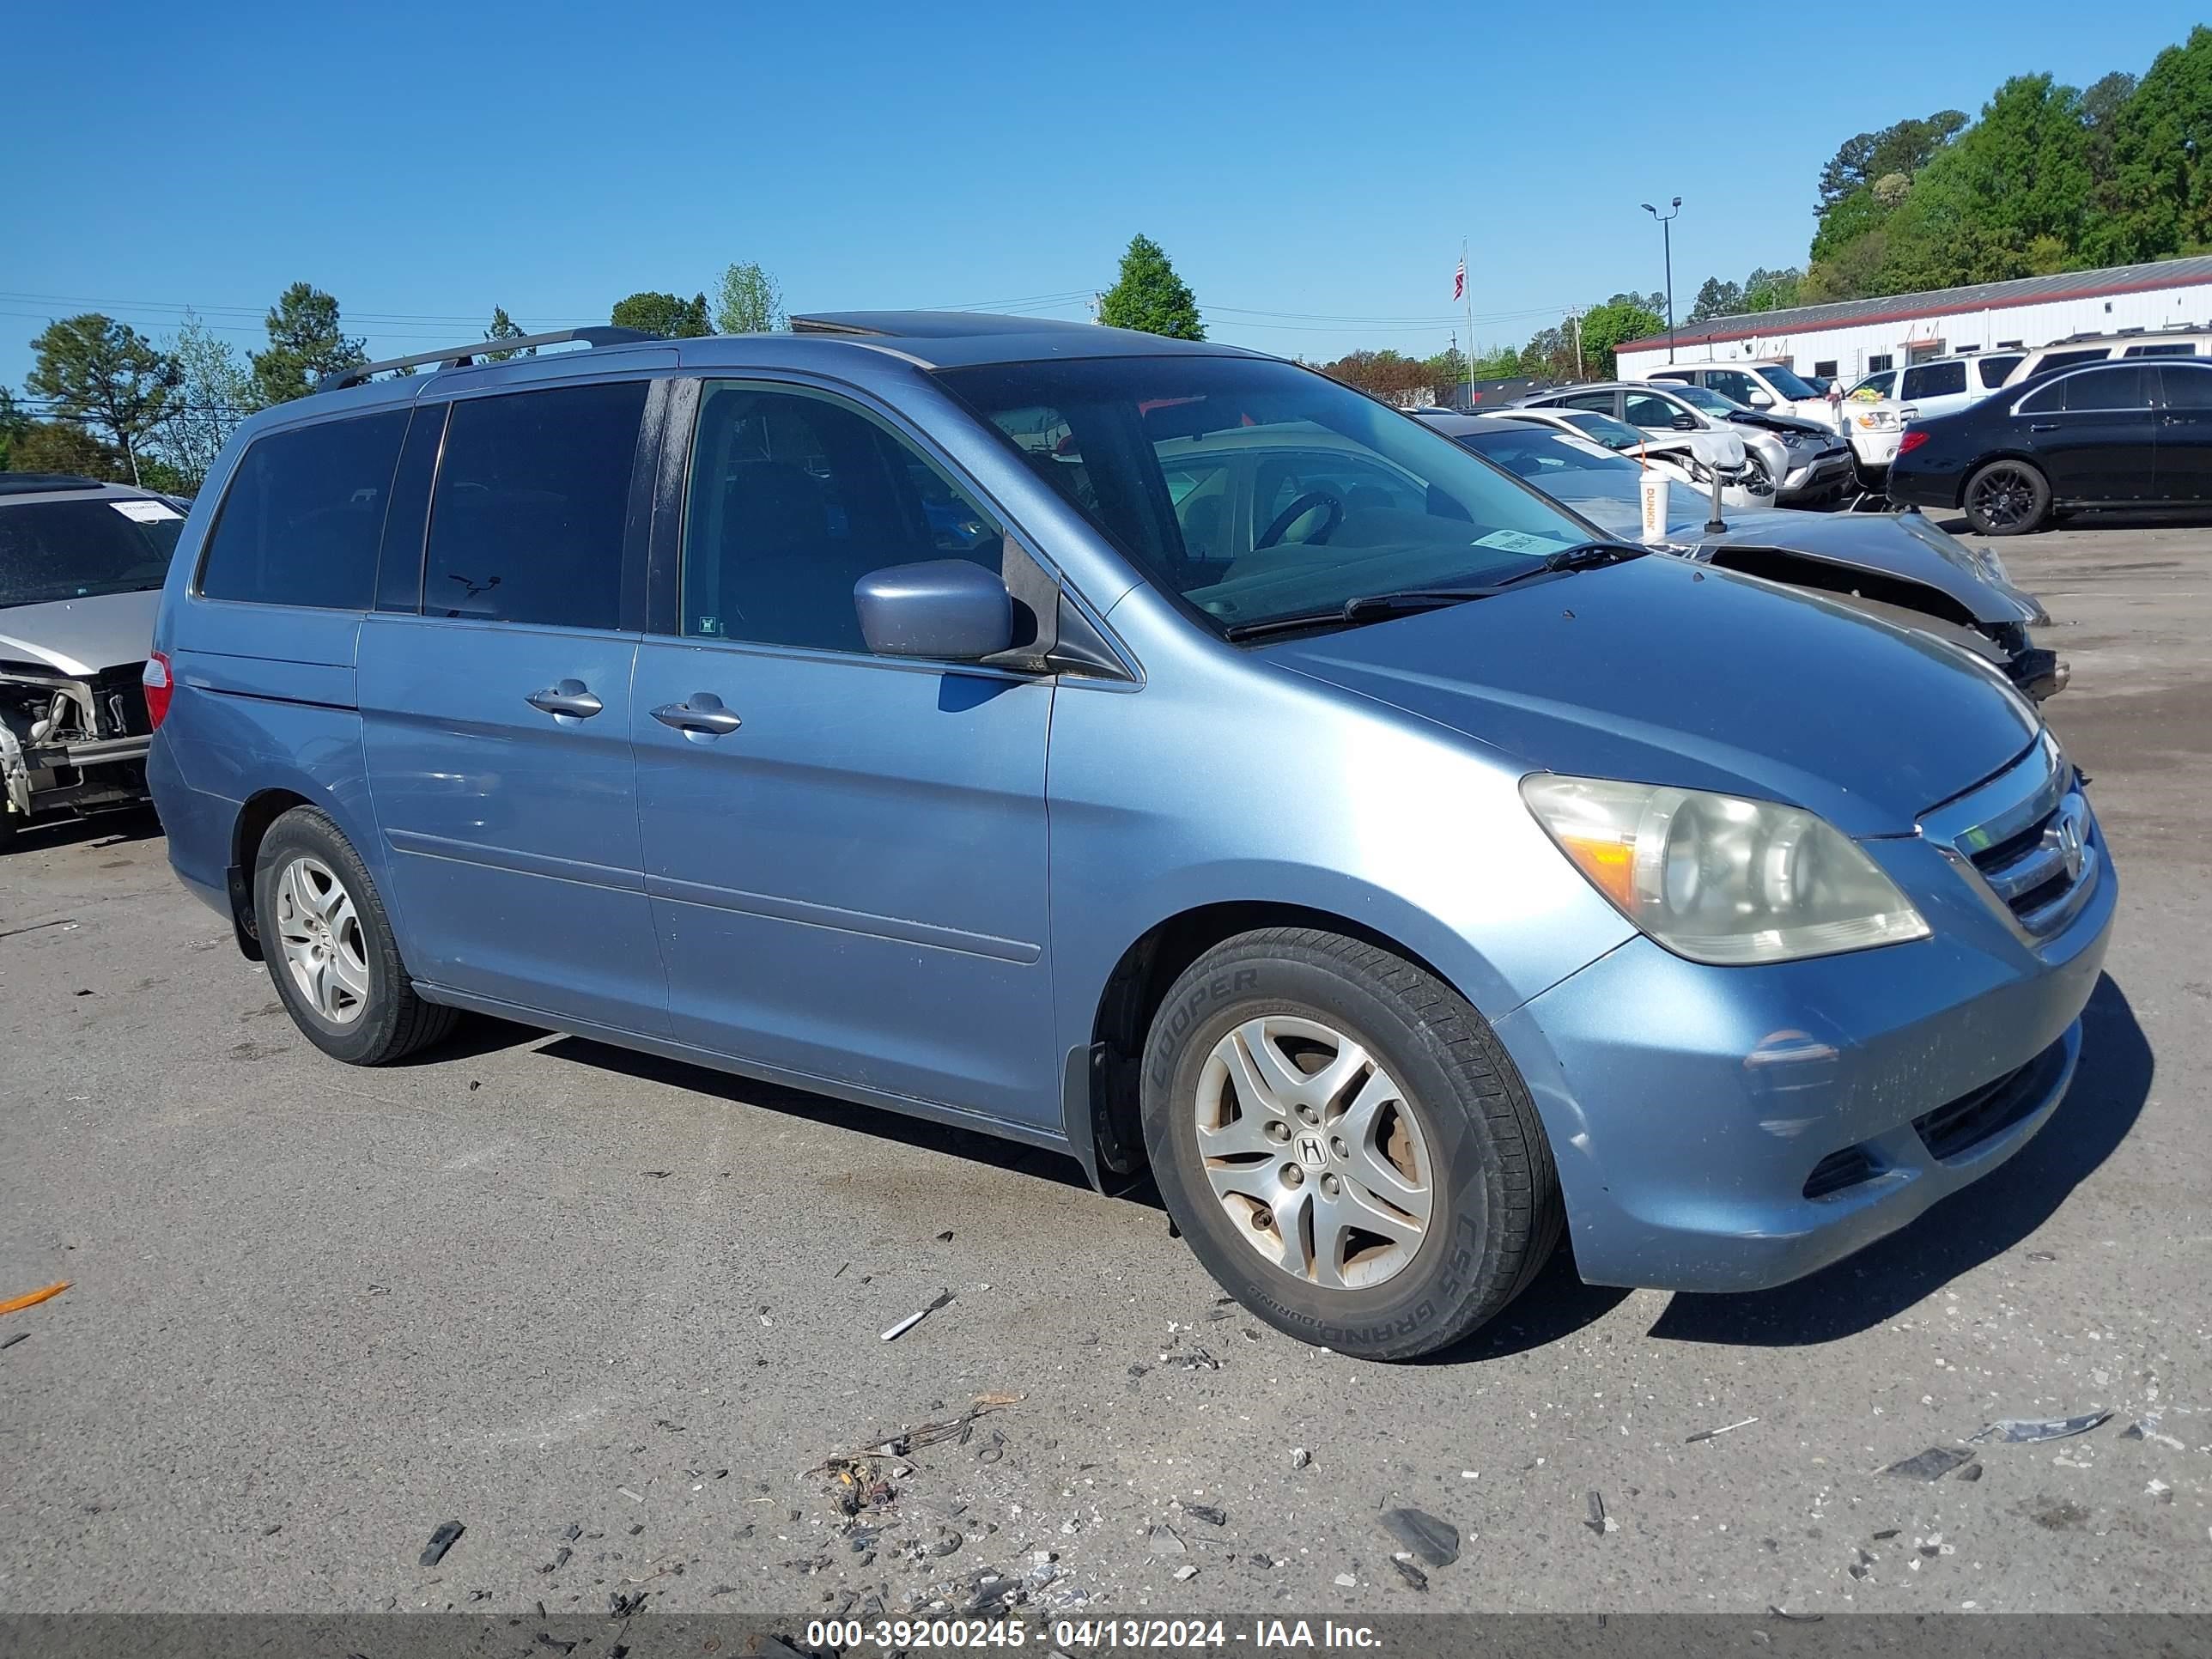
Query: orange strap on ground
x=32 y=1299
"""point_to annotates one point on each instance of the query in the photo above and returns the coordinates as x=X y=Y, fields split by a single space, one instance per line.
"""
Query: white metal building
x=1855 y=337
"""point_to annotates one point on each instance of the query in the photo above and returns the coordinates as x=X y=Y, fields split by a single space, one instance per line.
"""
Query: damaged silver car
x=81 y=570
x=1897 y=566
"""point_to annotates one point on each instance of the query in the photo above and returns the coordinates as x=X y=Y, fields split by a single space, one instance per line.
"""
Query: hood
x=1900 y=544
x=1662 y=672
x=1784 y=423
x=80 y=637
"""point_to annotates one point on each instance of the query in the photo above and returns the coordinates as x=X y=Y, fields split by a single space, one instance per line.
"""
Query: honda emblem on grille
x=2066 y=832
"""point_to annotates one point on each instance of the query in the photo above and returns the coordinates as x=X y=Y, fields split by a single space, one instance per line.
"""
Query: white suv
x=1770 y=388
x=1877 y=407
x=2080 y=348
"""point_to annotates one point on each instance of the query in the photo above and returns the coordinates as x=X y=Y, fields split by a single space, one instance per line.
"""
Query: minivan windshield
x=52 y=550
x=1255 y=490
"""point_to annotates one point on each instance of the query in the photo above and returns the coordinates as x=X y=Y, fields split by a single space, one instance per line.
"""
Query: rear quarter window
x=303 y=518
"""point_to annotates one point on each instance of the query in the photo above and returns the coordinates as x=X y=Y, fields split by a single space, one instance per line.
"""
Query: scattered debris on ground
x=1436 y=1541
x=2146 y=1428
x=1931 y=1465
x=1598 y=1521
x=1300 y=1457
x=32 y=1299
x=1715 y=1434
x=1207 y=1513
x=1414 y=1578
x=893 y=1332
x=2025 y=1430
x=443 y=1539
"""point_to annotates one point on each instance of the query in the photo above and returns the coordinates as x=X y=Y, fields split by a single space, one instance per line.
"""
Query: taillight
x=1911 y=442
x=159 y=687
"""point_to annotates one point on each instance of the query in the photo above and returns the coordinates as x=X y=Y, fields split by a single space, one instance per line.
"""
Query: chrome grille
x=2027 y=840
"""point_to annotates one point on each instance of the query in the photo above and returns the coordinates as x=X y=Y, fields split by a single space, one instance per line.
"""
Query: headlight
x=1718 y=879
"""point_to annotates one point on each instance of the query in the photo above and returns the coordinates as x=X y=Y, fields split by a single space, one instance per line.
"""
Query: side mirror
x=1761 y=400
x=946 y=610
x=1684 y=423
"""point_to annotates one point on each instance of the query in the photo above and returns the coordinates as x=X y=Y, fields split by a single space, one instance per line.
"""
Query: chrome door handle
x=2043 y=426
x=571 y=699
x=703 y=713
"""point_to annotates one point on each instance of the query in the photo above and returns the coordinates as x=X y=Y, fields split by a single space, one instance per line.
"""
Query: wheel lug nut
x=1307 y=1114
x=1336 y=1145
x=1277 y=1130
x=1329 y=1184
x=1293 y=1175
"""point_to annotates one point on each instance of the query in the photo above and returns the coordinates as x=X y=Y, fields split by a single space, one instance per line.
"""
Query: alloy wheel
x=1313 y=1152
x=325 y=949
x=2003 y=496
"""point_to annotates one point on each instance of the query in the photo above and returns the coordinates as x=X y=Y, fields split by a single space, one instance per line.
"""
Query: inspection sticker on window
x=1518 y=541
x=146 y=512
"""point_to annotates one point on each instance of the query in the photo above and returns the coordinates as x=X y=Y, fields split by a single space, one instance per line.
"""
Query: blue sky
x=1306 y=166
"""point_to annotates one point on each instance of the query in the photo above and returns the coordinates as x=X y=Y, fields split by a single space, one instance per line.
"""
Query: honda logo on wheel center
x=1310 y=1153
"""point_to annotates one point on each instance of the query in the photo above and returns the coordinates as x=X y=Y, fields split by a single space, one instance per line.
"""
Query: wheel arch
x=255 y=814
x=1099 y=1086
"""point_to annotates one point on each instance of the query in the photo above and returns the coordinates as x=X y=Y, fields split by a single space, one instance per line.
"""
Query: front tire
x=2007 y=498
x=1345 y=1144
x=330 y=947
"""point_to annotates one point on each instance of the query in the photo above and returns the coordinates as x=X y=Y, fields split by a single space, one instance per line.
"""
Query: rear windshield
x=54 y=550
x=1256 y=490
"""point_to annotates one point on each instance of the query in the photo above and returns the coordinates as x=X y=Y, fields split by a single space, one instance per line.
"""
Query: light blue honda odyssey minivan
x=914 y=708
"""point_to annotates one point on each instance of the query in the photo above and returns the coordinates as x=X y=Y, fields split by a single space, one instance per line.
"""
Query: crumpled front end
x=71 y=743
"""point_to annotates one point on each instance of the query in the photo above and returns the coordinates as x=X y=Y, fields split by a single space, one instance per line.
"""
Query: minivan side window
x=1993 y=370
x=2067 y=359
x=794 y=496
x=528 y=518
x=304 y=513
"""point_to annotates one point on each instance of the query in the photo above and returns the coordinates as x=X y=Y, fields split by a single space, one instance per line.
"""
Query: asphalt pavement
x=613 y=1315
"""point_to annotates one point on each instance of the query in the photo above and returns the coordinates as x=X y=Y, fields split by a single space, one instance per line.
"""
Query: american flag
x=1458 y=279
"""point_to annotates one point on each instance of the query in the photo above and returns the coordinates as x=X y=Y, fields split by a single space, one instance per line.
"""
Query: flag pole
x=1469 y=286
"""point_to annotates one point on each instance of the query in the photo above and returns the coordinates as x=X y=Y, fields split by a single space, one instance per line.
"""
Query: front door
x=496 y=721
x=2097 y=433
x=846 y=853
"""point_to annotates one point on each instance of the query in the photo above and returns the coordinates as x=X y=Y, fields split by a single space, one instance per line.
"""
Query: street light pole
x=1667 y=242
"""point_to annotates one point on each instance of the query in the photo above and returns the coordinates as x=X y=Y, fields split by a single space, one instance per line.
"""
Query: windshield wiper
x=1405 y=601
x=1587 y=556
x=1363 y=607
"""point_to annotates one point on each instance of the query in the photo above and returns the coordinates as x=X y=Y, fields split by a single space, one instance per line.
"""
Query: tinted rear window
x=54 y=550
x=1934 y=380
x=526 y=521
x=301 y=521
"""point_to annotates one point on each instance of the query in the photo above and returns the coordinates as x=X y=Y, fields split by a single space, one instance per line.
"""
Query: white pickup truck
x=1877 y=407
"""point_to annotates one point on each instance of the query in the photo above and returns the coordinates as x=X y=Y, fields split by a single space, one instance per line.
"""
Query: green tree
x=304 y=343
x=1852 y=271
x=1904 y=148
x=1624 y=317
x=1447 y=368
x=214 y=394
x=750 y=302
x=14 y=423
x=1498 y=363
x=666 y=314
x=1150 y=296
x=1772 y=291
x=2157 y=200
x=91 y=368
x=1981 y=210
x=66 y=447
x=1716 y=298
x=504 y=327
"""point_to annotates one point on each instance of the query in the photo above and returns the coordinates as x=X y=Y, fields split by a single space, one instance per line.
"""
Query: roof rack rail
x=461 y=356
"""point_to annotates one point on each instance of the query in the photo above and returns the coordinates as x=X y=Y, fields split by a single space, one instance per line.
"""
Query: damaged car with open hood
x=81 y=570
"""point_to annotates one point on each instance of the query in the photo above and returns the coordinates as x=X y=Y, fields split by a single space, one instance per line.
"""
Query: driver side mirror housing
x=1760 y=400
x=1684 y=423
x=942 y=610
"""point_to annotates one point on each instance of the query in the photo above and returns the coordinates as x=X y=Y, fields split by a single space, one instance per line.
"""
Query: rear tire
x=2007 y=498
x=1374 y=1176
x=330 y=949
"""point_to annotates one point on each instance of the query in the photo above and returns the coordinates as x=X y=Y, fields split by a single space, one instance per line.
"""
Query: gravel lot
x=318 y=1311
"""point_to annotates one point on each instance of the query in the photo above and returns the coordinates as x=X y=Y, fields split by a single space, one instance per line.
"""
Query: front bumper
x=1824 y=475
x=1734 y=1128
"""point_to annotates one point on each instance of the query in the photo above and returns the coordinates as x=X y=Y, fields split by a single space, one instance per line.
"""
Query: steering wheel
x=1296 y=510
